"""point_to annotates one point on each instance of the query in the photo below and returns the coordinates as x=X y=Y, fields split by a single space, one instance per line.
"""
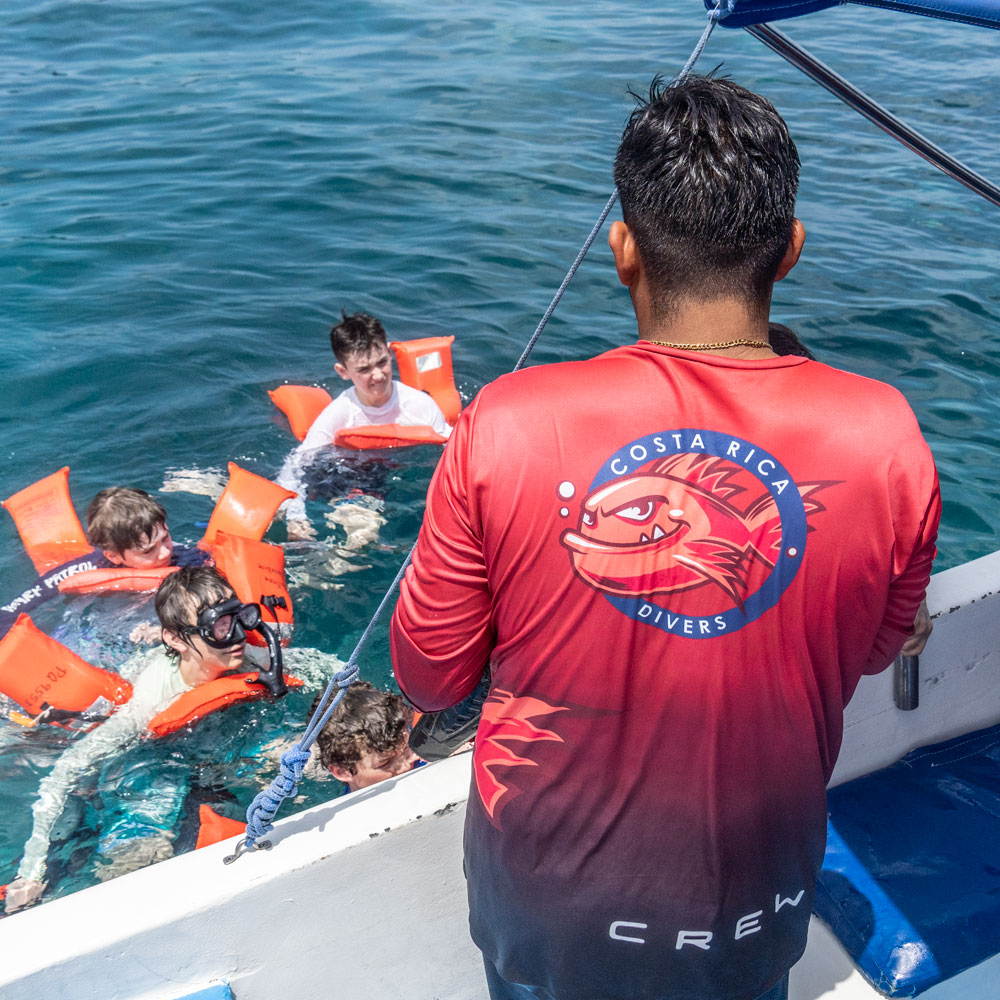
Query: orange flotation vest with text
x=199 y=701
x=52 y=533
x=423 y=364
x=39 y=672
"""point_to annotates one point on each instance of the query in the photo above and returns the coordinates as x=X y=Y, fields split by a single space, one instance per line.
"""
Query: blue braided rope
x=713 y=16
x=263 y=809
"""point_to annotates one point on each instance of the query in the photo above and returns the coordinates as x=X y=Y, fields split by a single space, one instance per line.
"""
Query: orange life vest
x=386 y=436
x=301 y=404
x=256 y=571
x=212 y=827
x=52 y=533
x=199 y=701
x=38 y=671
x=246 y=507
x=48 y=525
x=424 y=364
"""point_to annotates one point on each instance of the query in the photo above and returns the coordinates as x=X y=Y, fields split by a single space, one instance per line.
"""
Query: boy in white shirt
x=363 y=358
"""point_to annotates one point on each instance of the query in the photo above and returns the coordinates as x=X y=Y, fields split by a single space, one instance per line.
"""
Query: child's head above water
x=203 y=622
x=364 y=740
x=359 y=345
x=130 y=528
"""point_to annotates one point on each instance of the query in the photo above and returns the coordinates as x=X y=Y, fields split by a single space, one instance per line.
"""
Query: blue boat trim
x=910 y=883
x=740 y=13
x=220 y=991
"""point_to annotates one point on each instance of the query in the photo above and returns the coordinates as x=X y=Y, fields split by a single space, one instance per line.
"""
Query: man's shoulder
x=537 y=385
x=408 y=394
x=851 y=390
x=331 y=418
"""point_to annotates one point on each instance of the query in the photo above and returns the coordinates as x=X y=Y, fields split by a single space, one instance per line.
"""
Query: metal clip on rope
x=244 y=848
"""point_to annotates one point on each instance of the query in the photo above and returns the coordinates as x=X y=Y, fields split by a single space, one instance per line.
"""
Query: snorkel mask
x=225 y=624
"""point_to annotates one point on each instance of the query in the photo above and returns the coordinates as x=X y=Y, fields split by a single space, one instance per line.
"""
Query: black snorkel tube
x=273 y=677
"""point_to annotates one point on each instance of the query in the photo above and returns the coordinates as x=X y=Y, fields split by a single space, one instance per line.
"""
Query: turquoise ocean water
x=189 y=194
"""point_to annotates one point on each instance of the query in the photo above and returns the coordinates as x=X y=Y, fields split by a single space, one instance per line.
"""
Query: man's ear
x=341 y=371
x=341 y=773
x=112 y=557
x=174 y=641
x=791 y=257
x=626 y=253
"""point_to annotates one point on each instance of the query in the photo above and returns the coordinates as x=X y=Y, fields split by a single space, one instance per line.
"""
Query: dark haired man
x=363 y=359
x=677 y=570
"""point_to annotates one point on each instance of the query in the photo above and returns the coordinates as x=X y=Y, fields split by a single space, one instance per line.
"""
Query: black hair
x=785 y=341
x=707 y=174
x=357 y=333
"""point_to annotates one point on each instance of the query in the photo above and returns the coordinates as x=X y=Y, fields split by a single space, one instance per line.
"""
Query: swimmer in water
x=203 y=628
x=374 y=397
x=365 y=739
x=129 y=528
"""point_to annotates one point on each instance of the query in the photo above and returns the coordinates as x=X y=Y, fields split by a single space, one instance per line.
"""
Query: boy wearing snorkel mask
x=204 y=628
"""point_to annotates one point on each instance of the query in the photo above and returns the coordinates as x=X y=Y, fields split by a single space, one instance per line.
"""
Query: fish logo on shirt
x=507 y=721
x=718 y=531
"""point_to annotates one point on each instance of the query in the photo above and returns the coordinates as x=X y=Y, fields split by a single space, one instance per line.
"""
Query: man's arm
x=902 y=624
x=441 y=635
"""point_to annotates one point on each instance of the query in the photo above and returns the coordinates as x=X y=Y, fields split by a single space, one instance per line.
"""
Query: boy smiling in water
x=374 y=397
x=204 y=637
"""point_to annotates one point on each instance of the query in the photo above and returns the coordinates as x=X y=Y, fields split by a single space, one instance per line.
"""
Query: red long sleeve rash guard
x=678 y=566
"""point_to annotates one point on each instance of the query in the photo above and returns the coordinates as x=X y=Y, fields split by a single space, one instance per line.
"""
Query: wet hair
x=185 y=594
x=707 y=174
x=785 y=341
x=119 y=517
x=356 y=334
x=366 y=721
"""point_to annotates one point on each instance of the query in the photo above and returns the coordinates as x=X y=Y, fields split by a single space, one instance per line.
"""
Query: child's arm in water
x=158 y=684
x=53 y=791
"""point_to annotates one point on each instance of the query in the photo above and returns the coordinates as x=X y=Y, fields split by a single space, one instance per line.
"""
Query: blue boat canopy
x=739 y=13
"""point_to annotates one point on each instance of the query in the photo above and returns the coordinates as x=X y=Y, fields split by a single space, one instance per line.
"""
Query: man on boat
x=678 y=559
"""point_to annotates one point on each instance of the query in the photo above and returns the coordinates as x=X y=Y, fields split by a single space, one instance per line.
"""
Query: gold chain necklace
x=721 y=346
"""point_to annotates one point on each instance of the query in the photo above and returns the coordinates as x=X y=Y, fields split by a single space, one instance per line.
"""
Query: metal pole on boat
x=906 y=682
x=873 y=111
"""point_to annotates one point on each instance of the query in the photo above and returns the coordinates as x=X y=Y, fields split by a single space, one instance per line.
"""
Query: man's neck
x=715 y=322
